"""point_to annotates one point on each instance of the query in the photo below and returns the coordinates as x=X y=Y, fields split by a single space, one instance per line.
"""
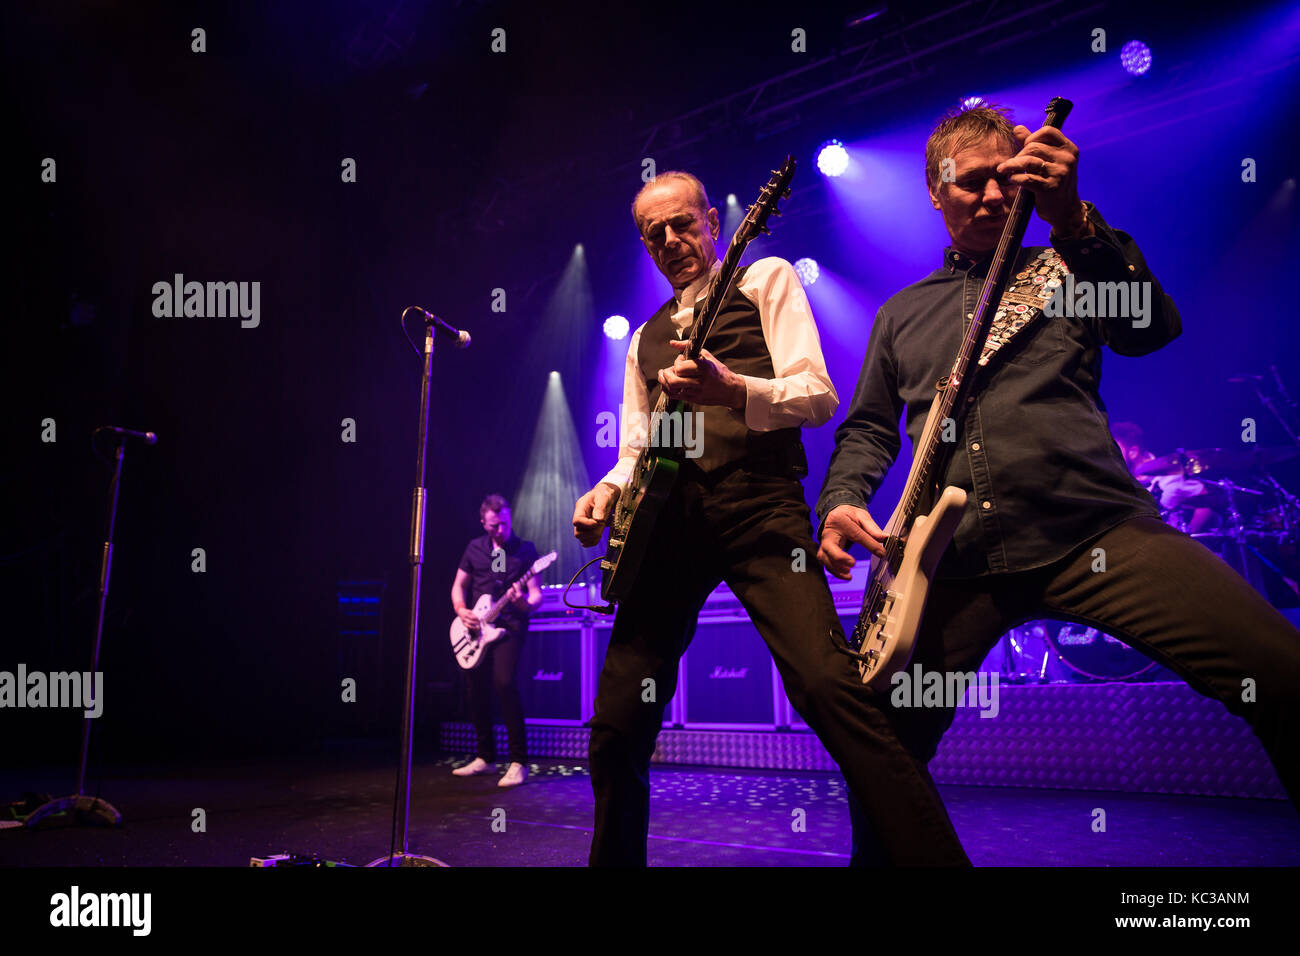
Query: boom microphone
x=459 y=336
x=149 y=438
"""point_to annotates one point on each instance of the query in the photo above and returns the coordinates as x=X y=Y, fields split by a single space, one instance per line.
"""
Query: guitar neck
x=499 y=604
x=710 y=301
x=706 y=309
x=932 y=456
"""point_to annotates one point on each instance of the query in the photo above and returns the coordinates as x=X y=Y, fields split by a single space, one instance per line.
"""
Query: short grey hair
x=701 y=197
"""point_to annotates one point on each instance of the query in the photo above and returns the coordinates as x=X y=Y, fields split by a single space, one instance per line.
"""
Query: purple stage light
x=971 y=102
x=832 y=158
x=807 y=270
x=1135 y=57
x=616 y=327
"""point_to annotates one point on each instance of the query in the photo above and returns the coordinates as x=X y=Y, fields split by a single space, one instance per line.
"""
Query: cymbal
x=1164 y=465
x=1211 y=461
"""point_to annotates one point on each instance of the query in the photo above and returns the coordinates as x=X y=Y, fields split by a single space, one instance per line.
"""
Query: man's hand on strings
x=706 y=381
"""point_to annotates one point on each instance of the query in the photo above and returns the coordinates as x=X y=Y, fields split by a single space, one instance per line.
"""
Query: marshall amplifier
x=728 y=677
x=550 y=671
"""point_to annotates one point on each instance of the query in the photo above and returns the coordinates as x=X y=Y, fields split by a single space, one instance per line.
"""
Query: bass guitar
x=467 y=645
x=639 y=502
x=926 y=517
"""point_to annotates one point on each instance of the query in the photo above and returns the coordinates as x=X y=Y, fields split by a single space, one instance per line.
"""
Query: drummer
x=1171 y=489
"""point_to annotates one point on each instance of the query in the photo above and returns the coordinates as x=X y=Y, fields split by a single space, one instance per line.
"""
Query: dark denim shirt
x=1033 y=447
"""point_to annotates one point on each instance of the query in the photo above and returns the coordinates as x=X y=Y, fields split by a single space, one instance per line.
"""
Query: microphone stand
x=1281 y=419
x=402 y=796
x=89 y=810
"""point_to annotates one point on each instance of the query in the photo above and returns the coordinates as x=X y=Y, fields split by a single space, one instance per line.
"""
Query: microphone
x=459 y=336
x=149 y=438
x=1239 y=379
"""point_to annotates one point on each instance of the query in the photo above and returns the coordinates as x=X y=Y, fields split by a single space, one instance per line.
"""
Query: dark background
x=475 y=171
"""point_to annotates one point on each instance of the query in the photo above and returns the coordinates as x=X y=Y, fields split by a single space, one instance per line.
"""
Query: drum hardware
x=1284 y=518
x=1027 y=656
x=1203 y=461
x=1098 y=656
x=1042 y=652
x=1284 y=419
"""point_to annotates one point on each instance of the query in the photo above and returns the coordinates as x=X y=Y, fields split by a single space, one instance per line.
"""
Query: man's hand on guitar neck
x=704 y=382
x=518 y=594
x=592 y=512
x=1047 y=165
x=845 y=525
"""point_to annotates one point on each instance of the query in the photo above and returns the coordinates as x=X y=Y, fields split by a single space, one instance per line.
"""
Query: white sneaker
x=515 y=775
x=474 y=768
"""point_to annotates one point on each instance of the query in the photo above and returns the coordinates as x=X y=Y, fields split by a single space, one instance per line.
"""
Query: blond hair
x=962 y=128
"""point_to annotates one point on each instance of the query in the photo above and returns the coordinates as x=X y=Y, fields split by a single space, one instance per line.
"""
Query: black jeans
x=1161 y=592
x=497 y=670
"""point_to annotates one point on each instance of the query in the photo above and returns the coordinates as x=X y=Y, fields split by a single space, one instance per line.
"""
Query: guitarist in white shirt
x=736 y=512
x=488 y=562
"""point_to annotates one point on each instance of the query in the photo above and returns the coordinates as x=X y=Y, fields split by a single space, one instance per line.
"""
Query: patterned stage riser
x=1146 y=738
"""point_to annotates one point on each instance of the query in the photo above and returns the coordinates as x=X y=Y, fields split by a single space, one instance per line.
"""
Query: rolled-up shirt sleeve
x=634 y=417
x=800 y=391
x=867 y=441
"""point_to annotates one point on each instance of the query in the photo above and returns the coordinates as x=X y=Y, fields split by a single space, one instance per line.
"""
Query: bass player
x=1054 y=525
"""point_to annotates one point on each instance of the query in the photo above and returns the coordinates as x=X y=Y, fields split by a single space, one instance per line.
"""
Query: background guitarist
x=1054 y=526
x=488 y=562
x=736 y=513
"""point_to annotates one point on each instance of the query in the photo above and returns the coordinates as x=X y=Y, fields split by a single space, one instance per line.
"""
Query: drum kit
x=1251 y=521
x=1254 y=521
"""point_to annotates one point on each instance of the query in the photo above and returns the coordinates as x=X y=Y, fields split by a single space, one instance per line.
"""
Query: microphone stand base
x=407 y=859
x=77 y=810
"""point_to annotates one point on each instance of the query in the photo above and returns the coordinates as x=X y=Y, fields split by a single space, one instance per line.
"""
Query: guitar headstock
x=755 y=222
x=1057 y=111
x=777 y=188
x=542 y=563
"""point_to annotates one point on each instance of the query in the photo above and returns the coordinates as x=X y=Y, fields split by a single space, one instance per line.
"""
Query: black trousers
x=752 y=530
x=496 y=671
x=1161 y=591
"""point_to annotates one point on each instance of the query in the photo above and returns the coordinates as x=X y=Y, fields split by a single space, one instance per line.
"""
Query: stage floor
x=338 y=807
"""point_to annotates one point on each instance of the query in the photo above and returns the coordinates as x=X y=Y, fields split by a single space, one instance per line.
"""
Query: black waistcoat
x=736 y=339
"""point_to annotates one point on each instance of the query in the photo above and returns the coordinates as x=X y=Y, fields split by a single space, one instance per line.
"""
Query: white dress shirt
x=801 y=393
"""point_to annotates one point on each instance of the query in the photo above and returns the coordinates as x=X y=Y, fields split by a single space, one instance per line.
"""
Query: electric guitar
x=641 y=499
x=467 y=645
x=916 y=538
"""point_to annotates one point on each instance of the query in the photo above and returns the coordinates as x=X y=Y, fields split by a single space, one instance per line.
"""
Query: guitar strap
x=1022 y=303
x=1024 y=299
